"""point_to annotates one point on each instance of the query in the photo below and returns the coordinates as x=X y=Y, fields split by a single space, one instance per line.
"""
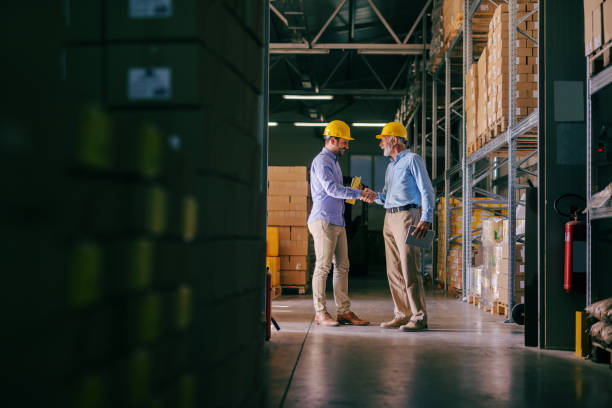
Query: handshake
x=368 y=195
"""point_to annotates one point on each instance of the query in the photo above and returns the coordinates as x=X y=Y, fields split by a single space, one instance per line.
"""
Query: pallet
x=301 y=289
x=276 y=292
x=484 y=307
x=500 y=309
x=599 y=59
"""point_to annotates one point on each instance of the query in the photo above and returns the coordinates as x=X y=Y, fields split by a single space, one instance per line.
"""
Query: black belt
x=402 y=208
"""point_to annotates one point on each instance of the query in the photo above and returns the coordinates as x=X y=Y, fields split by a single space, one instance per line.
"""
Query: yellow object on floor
x=583 y=343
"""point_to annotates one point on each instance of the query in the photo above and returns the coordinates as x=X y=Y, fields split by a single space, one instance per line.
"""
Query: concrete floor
x=467 y=358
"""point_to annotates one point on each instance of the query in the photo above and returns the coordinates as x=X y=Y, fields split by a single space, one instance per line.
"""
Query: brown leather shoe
x=395 y=323
x=415 y=326
x=351 y=318
x=324 y=319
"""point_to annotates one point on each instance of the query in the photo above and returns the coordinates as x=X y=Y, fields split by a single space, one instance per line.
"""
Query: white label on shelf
x=522 y=299
x=522 y=284
x=153 y=83
x=150 y=8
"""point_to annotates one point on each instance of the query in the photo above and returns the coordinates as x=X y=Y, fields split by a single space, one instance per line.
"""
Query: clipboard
x=354 y=184
x=424 y=243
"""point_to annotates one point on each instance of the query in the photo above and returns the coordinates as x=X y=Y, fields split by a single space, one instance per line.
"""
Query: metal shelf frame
x=466 y=164
x=594 y=84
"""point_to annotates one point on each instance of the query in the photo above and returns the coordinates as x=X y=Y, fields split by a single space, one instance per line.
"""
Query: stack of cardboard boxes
x=597 y=25
x=471 y=99
x=454 y=279
x=288 y=206
x=526 y=65
x=452 y=12
x=495 y=282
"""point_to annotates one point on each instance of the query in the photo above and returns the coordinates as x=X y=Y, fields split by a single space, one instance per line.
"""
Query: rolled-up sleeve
x=325 y=175
x=419 y=171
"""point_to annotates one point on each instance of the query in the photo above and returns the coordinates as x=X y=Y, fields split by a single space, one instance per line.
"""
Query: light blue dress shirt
x=407 y=182
x=327 y=190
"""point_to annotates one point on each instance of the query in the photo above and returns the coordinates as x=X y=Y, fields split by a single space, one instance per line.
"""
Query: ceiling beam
x=361 y=48
x=344 y=92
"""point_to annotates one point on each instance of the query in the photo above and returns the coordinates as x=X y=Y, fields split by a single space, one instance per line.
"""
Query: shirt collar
x=330 y=154
x=399 y=156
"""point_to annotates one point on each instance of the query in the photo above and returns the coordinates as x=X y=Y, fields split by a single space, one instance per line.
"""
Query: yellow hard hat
x=337 y=128
x=393 y=129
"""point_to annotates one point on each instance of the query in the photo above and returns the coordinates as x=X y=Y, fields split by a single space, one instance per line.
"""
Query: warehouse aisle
x=467 y=358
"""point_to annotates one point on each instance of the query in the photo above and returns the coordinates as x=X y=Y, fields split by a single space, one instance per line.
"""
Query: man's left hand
x=421 y=229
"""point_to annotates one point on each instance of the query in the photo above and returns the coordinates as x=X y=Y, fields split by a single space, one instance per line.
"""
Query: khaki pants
x=403 y=263
x=330 y=246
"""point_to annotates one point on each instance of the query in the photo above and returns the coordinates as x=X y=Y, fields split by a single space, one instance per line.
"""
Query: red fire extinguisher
x=574 y=266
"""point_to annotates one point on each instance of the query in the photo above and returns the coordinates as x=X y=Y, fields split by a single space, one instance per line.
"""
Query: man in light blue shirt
x=326 y=224
x=408 y=198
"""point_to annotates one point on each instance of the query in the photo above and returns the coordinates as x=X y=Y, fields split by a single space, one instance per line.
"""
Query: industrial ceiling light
x=309 y=97
x=368 y=124
x=272 y=123
x=309 y=124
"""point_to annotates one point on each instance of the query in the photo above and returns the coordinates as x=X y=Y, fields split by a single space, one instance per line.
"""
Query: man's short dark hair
x=328 y=138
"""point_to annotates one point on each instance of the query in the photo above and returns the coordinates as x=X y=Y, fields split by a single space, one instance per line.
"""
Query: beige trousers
x=403 y=263
x=330 y=246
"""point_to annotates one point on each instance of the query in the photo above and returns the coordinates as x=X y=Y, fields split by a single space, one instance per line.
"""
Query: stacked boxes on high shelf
x=452 y=12
x=597 y=33
x=526 y=66
x=288 y=206
x=471 y=99
x=436 y=46
x=492 y=75
x=454 y=280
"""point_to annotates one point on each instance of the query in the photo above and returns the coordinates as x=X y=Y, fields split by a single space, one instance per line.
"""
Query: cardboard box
x=272 y=241
x=287 y=173
x=607 y=21
x=294 y=277
x=279 y=203
x=83 y=21
x=284 y=233
x=299 y=233
x=293 y=248
x=589 y=6
x=291 y=188
x=287 y=218
x=597 y=26
x=214 y=25
x=294 y=262
x=298 y=203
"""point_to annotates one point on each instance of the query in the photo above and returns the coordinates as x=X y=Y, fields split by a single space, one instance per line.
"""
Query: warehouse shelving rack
x=594 y=84
x=466 y=164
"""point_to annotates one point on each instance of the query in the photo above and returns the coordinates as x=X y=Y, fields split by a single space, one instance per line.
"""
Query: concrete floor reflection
x=467 y=358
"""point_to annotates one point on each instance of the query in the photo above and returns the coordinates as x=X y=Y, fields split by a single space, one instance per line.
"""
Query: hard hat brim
x=341 y=137
x=381 y=136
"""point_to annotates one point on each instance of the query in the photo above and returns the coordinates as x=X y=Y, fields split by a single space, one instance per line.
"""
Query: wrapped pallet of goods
x=454 y=260
x=495 y=247
x=288 y=205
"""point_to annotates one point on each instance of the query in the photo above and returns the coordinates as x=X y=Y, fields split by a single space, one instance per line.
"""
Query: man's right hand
x=368 y=195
